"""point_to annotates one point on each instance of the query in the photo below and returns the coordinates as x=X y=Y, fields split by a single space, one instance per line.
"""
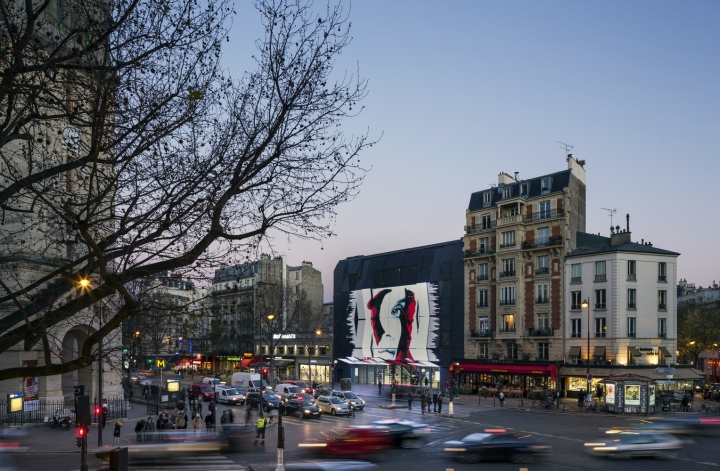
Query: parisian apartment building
x=622 y=298
x=517 y=235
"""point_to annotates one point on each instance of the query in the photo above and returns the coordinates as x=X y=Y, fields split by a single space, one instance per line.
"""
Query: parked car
x=632 y=444
x=332 y=405
x=204 y=390
x=269 y=400
x=497 y=446
x=302 y=404
x=229 y=395
x=351 y=398
x=711 y=391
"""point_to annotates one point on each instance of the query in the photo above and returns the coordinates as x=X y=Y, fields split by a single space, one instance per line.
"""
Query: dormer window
x=507 y=192
x=545 y=185
x=486 y=199
x=524 y=189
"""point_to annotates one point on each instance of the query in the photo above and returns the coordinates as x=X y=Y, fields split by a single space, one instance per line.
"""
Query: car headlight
x=362 y=402
x=307 y=411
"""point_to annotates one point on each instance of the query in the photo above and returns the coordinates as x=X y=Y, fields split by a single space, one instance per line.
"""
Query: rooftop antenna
x=567 y=148
x=610 y=213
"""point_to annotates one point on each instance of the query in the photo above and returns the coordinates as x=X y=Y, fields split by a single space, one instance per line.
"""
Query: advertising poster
x=632 y=395
x=30 y=387
x=610 y=393
x=398 y=323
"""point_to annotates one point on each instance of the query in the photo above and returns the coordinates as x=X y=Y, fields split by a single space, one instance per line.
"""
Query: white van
x=285 y=390
x=248 y=380
x=229 y=395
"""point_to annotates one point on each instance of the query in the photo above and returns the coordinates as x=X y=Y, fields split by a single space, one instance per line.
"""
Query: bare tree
x=126 y=151
x=698 y=330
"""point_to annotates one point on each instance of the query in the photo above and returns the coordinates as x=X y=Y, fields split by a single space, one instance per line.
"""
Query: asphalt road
x=564 y=431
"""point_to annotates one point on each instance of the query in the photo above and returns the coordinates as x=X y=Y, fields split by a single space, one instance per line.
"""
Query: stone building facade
x=516 y=236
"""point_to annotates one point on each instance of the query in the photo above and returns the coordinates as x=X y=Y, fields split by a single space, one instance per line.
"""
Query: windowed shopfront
x=314 y=372
x=513 y=379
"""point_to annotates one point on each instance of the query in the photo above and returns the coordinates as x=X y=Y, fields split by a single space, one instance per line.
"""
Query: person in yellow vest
x=261 y=424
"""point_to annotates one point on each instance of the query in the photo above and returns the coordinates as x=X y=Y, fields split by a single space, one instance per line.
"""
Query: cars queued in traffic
x=497 y=445
x=621 y=444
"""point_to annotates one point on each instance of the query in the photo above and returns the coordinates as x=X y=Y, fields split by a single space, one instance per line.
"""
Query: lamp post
x=586 y=304
x=717 y=354
x=270 y=342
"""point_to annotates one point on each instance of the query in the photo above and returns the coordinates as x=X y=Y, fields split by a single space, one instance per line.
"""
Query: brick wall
x=473 y=245
x=555 y=231
x=530 y=237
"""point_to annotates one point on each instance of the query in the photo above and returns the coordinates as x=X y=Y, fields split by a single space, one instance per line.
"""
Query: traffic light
x=264 y=372
x=97 y=411
x=80 y=437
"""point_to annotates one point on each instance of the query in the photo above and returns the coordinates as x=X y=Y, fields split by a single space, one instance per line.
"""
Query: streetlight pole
x=271 y=375
x=586 y=304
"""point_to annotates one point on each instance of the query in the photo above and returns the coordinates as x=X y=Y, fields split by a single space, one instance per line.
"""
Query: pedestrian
x=149 y=429
x=435 y=400
x=447 y=387
x=685 y=403
x=261 y=424
x=231 y=416
x=211 y=407
x=224 y=418
x=139 y=429
x=181 y=422
x=426 y=382
x=502 y=399
x=423 y=401
x=181 y=405
x=248 y=409
x=581 y=397
x=104 y=415
x=116 y=432
x=146 y=393
x=410 y=399
x=209 y=422
x=379 y=385
x=197 y=424
x=440 y=401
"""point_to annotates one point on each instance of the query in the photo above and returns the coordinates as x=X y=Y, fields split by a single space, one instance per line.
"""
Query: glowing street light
x=84 y=283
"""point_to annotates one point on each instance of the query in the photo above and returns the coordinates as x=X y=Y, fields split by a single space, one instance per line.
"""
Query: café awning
x=599 y=352
x=665 y=351
x=574 y=352
x=634 y=352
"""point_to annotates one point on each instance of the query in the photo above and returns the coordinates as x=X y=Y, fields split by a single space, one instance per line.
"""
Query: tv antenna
x=610 y=213
x=567 y=148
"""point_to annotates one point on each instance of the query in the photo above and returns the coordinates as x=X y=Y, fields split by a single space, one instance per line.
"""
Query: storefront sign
x=30 y=387
x=233 y=358
x=14 y=402
x=247 y=355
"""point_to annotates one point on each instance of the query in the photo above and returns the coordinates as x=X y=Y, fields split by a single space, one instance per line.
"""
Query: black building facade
x=399 y=315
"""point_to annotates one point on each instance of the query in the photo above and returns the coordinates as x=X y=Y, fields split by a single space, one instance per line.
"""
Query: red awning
x=545 y=370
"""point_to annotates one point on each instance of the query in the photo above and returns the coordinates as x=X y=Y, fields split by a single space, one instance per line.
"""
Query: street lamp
x=270 y=319
x=586 y=304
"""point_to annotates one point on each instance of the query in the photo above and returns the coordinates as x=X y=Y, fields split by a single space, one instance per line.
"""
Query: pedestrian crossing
x=201 y=462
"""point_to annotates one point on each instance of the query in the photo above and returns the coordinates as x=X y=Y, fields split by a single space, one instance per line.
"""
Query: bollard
x=450 y=408
x=393 y=400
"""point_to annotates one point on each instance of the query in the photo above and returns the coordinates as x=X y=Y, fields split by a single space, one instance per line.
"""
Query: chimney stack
x=627 y=218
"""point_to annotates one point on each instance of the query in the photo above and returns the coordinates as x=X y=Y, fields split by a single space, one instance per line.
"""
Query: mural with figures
x=398 y=323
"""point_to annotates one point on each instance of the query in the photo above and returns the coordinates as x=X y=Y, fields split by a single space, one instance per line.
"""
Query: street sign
x=79 y=390
x=665 y=370
x=589 y=377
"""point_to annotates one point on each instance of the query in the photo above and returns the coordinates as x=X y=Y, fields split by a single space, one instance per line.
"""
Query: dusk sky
x=461 y=91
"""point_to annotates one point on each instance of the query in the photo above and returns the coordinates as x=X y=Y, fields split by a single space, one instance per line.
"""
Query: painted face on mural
x=392 y=326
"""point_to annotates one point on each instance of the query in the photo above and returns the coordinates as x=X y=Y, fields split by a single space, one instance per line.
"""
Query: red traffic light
x=264 y=371
x=97 y=411
x=81 y=431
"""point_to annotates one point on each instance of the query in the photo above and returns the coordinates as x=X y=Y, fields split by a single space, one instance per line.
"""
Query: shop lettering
x=284 y=336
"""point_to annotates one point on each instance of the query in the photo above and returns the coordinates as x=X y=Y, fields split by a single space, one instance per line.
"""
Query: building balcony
x=547 y=332
x=480 y=227
x=542 y=300
x=576 y=335
x=542 y=215
x=506 y=274
x=507 y=329
x=481 y=334
x=662 y=307
x=507 y=302
x=543 y=271
x=506 y=245
x=575 y=307
x=478 y=253
x=632 y=277
x=483 y=278
x=632 y=306
x=662 y=335
x=482 y=304
x=599 y=305
x=576 y=279
x=508 y=220
x=631 y=335
x=549 y=242
x=662 y=278
x=600 y=277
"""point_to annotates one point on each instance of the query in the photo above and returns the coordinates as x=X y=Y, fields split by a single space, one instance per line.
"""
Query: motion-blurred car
x=204 y=390
x=497 y=446
x=332 y=405
x=360 y=441
x=405 y=433
x=680 y=424
x=141 y=380
x=268 y=398
x=351 y=398
x=302 y=404
x=633 y=444
x=333 y=465
x=146 y=373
